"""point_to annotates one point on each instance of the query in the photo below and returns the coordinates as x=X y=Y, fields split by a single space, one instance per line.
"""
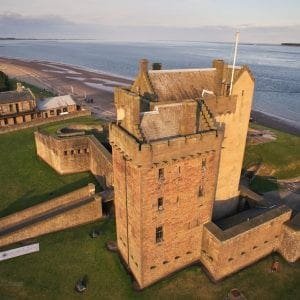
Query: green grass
x=39 y=93
x=69 y=255
x=25 y=179
x=282 y=155
x=263 y=184
x=66 y=256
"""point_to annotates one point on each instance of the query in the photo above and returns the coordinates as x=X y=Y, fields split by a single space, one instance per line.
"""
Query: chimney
x=143 y=66
x=20 y=88
x=156 y=66
x=218 y=64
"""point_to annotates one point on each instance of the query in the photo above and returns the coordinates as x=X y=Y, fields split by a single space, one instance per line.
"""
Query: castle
x=177 y=151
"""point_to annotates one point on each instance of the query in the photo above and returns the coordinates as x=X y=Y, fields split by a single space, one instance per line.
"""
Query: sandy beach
x=80 y=82
x=64 y=79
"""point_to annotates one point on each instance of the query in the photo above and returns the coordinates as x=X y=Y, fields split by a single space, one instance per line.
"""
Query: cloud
x=52 y=26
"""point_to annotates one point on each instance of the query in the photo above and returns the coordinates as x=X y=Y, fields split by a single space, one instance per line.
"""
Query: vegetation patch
x=281 y=155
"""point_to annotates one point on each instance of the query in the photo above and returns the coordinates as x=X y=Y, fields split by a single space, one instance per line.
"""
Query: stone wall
x=34 y=122
x=227 y=251
x=76 y=154
x=233 y=146
x=72 y=209
x=187 y=188
x=290 y=242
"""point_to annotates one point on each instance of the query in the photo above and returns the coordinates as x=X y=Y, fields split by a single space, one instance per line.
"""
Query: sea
x=276 y=68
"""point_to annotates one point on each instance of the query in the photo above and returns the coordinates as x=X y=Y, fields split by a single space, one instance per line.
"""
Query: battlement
x=164 y=150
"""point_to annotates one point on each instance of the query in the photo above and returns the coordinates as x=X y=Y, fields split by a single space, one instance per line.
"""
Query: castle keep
x=177 y=149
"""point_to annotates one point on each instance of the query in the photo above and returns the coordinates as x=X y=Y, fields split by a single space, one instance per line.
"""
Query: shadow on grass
x=263 y=184
x=28 y=199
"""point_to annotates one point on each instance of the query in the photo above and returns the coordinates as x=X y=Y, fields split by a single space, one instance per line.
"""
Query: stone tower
x=166 y=151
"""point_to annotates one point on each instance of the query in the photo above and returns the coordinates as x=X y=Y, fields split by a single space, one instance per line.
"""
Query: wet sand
x=80 y=82
x=65 y=79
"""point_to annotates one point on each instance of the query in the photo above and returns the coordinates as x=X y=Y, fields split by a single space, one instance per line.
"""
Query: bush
x=4 y=82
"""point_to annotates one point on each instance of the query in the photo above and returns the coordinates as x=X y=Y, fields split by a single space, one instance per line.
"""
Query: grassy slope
x=282 y=155
x=25 y=179
x=39 y=93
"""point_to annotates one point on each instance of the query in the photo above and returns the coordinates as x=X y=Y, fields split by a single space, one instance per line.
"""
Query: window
x=203 y=164
x=24 y=119
x=254 y=247
x=165 y=262
x=230 y=259
x=152 y=267
x=159 y=234
x=78 y=151
x=177 y=257
x=160 y=203
x=243 y=253
x=161 y=174
x=200 y=192
x=11 y=109
x=51 y=112
x=72 y=152
x=243 y=92
x=5 y=121
x=65 y=109
x=65 y=152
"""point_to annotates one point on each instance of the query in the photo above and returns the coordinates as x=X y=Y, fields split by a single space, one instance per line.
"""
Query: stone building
x=177 y=148
x=17 y=107
x=21 y=106
x=56 y=106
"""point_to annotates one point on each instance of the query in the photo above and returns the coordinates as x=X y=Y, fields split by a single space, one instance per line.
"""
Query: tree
x=4 y=82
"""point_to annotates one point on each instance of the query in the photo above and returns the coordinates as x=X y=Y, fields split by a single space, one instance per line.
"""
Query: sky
x=213 y=20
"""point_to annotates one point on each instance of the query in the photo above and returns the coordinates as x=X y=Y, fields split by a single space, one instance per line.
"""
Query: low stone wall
x=227 y=251
x=42 y=121
x=290 y=242
x=76 y=154
x=75 y=208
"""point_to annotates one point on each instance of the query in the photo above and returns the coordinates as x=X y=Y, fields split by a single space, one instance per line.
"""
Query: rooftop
x=55 y=102
x=175 y=85
x=15 y=96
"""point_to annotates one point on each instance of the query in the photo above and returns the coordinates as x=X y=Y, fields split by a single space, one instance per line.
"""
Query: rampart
x=78 y=207
x=38 y=122
x=227 y=251
x=290 y=240
x=76 y=154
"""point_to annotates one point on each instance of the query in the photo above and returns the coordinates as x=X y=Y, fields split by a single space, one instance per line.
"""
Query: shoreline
x=261 y=118
x=81 y=81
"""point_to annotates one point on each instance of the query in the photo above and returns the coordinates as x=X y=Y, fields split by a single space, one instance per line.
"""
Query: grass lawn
x=282 y=155
x=66 y=256
x=26 y=180
x=69 y=255
x=39 y=93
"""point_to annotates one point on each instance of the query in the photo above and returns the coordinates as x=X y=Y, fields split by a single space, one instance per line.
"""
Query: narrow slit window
x=160 y=203
x=161 y=173
x=159 y=234
x=200 y=191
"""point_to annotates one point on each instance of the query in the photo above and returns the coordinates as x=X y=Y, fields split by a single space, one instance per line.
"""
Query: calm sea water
x=276 y=68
